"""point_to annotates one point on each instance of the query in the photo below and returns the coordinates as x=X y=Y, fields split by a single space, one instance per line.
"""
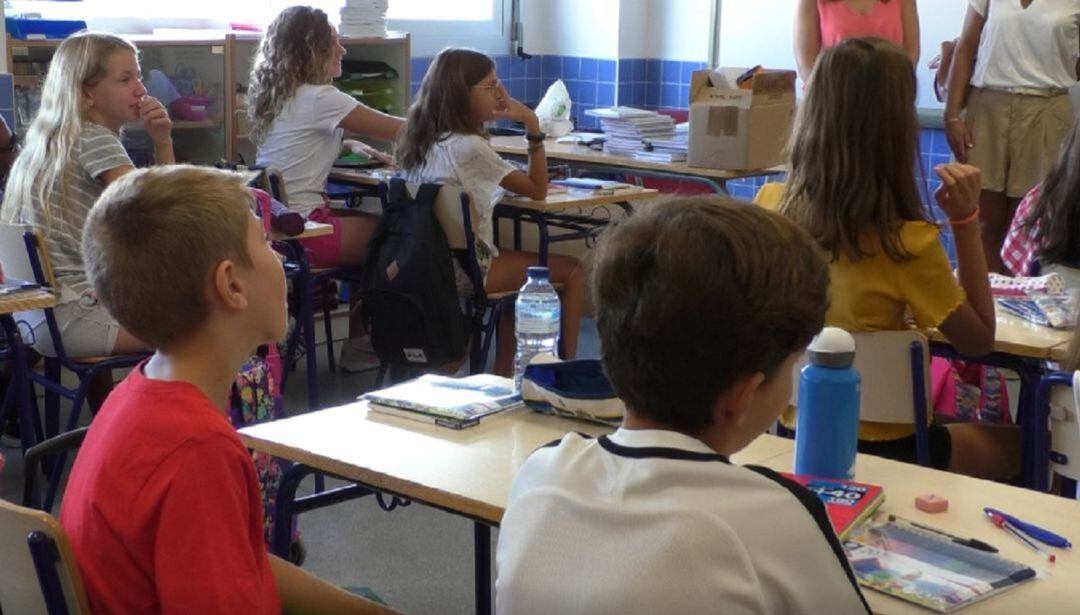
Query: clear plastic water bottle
x=827 y=425
x=537 y=315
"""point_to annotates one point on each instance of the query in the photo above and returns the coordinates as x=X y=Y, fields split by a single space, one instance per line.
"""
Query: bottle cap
x=538 y=272
x=833 y=347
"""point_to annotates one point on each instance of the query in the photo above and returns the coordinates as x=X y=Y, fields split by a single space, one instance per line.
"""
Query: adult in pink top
x=823 y=23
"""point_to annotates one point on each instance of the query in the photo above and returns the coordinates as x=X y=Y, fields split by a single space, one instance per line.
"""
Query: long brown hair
x=442 y=105
x=853 y=150
x=293 y=52
x=1055 y=217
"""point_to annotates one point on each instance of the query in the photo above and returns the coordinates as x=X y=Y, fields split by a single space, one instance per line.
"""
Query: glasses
x=494 y=87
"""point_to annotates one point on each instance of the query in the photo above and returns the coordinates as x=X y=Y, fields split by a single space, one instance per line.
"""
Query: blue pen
x=1036 y=532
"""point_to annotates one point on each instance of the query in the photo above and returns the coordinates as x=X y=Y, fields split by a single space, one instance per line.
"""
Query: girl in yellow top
x=852 y=186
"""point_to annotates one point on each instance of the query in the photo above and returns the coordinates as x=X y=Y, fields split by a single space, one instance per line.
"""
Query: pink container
x=191 y=108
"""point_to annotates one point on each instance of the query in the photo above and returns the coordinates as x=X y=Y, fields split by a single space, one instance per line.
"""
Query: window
x=434 y=24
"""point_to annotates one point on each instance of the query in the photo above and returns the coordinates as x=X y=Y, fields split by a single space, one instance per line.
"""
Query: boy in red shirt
x=163 y=507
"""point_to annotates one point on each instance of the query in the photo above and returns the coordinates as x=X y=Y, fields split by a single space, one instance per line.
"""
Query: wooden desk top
x=311 y=229
x=1059 y=592
x=468 y=471
x=563 y=201
x=25 y=301
x=471 y=471
x=516 y=146
x=1019 y=337
x=362 y=177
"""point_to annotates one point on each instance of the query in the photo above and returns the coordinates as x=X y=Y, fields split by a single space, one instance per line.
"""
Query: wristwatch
x=536 y=138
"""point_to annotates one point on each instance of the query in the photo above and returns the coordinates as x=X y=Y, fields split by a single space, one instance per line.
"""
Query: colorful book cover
x=905 y=562
x=847 y=502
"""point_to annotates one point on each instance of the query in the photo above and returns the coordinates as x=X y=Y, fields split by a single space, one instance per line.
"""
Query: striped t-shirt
x=97 y=150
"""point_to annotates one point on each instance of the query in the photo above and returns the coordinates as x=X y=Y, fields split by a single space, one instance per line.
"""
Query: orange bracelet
x=968 y=220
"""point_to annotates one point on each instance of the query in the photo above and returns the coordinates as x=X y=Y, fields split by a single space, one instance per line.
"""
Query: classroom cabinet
x=205 y=80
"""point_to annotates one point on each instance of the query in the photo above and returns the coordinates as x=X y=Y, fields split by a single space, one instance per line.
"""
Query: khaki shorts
x=1016 y=137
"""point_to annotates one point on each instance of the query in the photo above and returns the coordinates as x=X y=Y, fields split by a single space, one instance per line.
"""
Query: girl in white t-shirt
x=299 y=121
x=445 y=142
x=1011 y=70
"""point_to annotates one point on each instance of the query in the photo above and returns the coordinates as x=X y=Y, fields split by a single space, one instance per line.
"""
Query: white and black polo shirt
x=652 y=521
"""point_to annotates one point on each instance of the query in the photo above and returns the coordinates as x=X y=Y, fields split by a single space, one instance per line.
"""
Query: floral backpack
x=256 y=398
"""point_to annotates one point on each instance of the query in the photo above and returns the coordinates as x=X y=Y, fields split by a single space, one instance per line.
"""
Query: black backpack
x=410 y=297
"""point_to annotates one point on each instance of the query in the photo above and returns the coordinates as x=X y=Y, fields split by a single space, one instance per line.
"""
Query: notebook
x=848 y=503
x=456 y=403
x=929 y=570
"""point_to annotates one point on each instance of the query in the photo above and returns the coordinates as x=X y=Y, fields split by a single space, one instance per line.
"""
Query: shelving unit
x=221 y=65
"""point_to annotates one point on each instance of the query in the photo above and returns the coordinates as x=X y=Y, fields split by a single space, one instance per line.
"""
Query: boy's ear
x=734 y=405
x=226 y=288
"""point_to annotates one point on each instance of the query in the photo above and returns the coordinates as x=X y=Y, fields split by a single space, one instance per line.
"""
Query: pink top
x=839 y=21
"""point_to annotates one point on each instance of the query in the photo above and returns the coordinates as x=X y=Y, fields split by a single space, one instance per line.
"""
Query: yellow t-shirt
x=876 y=294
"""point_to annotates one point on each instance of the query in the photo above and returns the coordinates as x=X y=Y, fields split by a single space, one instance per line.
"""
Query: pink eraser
x=931 y=503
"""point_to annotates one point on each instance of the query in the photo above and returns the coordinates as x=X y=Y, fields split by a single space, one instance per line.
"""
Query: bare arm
x=363 y=121
x=534 y=184
x=963 y=64
x=971 y=327
x=303 y=593
x=807 y=37
x=909 y=15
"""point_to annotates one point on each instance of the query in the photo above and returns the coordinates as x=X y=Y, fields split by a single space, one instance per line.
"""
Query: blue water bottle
x=827 y=426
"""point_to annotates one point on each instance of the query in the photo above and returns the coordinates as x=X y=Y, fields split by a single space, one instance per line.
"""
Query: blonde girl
x=71 y=153
x=853 y=187
x=445 y=141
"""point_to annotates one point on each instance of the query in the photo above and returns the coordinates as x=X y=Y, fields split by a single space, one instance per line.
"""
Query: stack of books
x=627 y=129
x=456 y=403
x=364 y=18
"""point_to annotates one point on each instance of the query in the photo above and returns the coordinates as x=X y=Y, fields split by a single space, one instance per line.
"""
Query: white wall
x=683 y=29
x=586 y=28
x=760 y=32
x=669 y=29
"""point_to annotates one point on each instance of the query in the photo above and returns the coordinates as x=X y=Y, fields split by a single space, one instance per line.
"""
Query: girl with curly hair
x=299 y=120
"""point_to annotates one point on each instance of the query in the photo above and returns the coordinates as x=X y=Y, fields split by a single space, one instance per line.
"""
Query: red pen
x=1004 y=524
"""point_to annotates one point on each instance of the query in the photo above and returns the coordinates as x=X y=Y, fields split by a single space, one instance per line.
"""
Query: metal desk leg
x=482 y=544
x=20 y=380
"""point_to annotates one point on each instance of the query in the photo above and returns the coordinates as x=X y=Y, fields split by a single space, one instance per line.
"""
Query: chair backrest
x=15 y=255
x=452 y=217
x=1065 y=429
x=45 y=580
x=889 y=389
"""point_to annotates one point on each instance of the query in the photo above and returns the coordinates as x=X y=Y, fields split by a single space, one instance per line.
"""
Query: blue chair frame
x=50 y=379
x=1041 y=456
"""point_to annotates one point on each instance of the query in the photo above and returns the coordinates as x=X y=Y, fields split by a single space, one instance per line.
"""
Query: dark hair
x=442 y=104
x=693 y=293
x=853 y=150
x=1055 y=217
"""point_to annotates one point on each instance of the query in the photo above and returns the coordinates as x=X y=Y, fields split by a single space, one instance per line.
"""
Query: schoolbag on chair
x=410 y=301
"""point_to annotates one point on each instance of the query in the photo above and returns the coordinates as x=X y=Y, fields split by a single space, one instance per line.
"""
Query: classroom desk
x=9 y=304
x=1058 y=592
x=562 y=210
x=469 y=473
x=582 y=157
x=311 y=230
x=1021 y=346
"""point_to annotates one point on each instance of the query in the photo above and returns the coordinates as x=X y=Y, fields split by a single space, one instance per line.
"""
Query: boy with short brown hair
x=163 y=507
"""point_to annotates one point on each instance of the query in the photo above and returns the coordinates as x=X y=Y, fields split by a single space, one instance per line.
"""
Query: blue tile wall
x=7 y=100
x=649 y=83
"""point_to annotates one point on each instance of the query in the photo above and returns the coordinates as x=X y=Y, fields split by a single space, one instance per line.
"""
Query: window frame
x=491 y=37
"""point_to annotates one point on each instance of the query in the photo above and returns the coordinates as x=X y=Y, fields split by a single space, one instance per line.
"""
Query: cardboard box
x=733 y=128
